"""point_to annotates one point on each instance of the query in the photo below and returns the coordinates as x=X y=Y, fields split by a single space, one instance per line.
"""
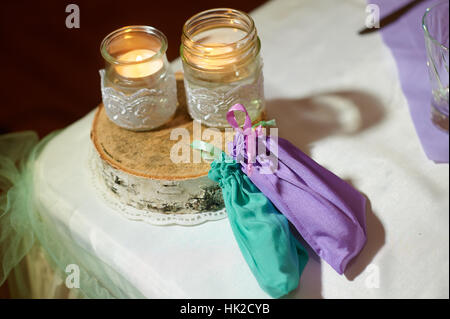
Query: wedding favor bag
x=274 y=256
x=327 y=211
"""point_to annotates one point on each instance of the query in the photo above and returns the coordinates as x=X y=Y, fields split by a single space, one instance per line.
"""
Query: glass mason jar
x=138 y=85
x=220 y=50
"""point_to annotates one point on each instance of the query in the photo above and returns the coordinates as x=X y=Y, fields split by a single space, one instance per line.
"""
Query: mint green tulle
x=24 y=225
x=273 y=254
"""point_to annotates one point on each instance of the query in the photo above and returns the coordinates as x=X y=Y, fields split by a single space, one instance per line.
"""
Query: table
x=336 y=95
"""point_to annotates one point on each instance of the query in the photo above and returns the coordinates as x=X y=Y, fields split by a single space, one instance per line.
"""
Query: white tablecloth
x=336 y=95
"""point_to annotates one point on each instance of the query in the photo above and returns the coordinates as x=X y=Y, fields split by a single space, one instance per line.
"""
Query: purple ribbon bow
x=246 y=137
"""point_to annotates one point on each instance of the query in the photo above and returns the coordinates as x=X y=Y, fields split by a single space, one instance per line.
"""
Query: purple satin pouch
x=327 y=211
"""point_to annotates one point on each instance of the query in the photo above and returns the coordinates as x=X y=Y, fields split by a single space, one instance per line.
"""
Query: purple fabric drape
x=405 y=39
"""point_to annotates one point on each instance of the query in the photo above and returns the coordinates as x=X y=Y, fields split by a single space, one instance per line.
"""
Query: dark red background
x=49 y=74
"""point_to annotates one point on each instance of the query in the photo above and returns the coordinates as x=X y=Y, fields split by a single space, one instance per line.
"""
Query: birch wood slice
x=136 y=169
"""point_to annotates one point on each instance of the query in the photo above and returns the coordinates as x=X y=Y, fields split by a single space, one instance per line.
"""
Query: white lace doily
x=151 y=217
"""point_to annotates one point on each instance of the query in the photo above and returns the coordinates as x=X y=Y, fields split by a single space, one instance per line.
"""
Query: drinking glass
x=435 y=25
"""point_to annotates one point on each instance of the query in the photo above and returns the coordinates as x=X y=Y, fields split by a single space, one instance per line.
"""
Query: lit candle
x=138 y=70
x=219 y=36
x=139 y=89
x=216 y=42
x=222 y=66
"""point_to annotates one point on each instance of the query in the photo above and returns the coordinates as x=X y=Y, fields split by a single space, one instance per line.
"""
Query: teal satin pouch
x=273 y=254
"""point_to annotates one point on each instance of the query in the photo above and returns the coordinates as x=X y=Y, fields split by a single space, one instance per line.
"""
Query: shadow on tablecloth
x=306 y=120
x=310 y=286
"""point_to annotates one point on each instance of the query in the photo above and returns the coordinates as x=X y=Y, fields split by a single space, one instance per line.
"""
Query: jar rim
x=237 y=52
x=217 y=12
x=133 y=28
